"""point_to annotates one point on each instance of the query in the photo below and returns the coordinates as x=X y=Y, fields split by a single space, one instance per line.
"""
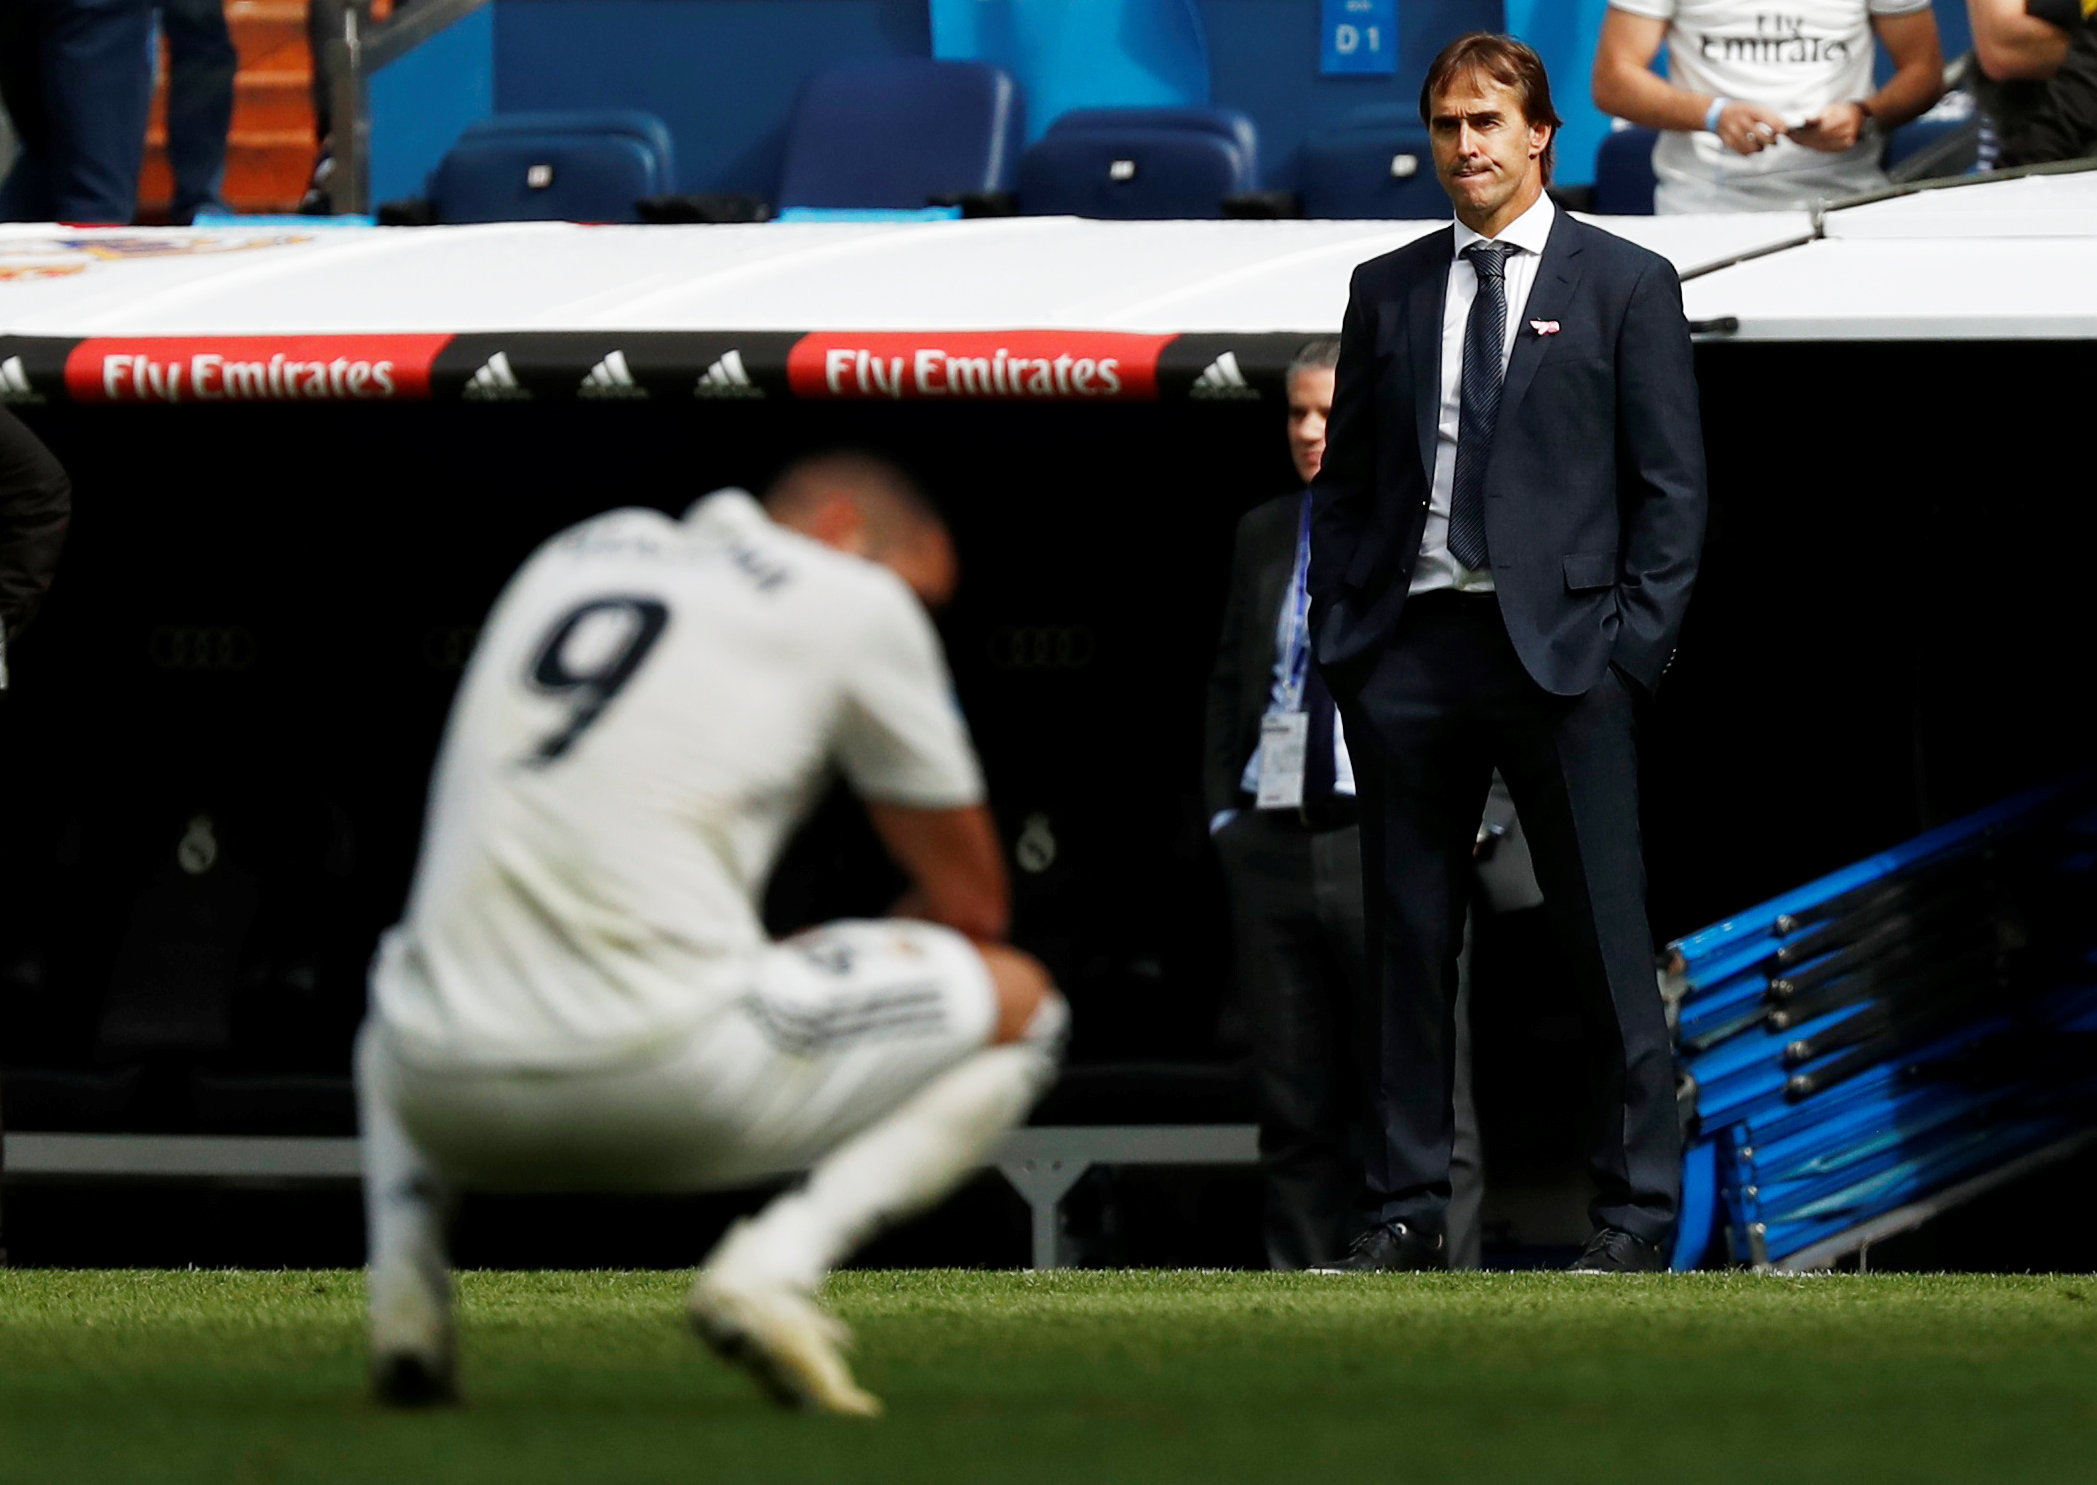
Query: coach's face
x=1487 y=153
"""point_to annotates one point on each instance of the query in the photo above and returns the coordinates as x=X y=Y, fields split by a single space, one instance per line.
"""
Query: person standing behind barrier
x=201 y=67
x=77 y=79
x=2037 y=88
x=36 y=500
x=1504 y=536
x=1766 y=110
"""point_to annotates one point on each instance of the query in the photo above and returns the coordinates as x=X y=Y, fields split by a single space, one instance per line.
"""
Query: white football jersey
x=650 y=710
x=1797 y=59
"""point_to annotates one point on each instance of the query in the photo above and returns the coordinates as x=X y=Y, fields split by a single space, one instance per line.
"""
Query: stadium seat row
x=911 y=135
x=921 y=136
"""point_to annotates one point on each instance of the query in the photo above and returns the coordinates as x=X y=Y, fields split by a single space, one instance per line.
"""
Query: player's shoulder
x=632 y=531
x=839 y=589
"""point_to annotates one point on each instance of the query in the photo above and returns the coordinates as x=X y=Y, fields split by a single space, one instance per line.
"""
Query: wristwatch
x=1870 y=127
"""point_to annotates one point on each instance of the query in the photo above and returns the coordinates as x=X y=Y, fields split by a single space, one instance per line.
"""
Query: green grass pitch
x=248 y=1378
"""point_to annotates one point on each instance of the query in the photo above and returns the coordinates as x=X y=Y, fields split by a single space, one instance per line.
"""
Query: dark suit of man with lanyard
x=1506 y=530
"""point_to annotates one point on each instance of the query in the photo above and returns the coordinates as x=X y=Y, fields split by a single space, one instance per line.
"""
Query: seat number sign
x=1358 y=38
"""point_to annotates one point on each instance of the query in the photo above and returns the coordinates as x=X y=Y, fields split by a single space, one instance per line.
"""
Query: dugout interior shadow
x=262 y=613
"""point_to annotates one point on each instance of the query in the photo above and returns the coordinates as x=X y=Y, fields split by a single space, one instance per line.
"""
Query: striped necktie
x=1478 y=407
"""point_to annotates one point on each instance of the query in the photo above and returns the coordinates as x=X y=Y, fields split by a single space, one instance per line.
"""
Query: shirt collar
x=729 y=507
x=1529 y=231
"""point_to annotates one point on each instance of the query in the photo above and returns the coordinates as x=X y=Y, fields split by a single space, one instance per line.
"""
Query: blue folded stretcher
x=1877 y=1045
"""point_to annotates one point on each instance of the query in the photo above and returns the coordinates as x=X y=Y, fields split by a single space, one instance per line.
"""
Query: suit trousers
x=77 y=80
x=1296 y=915
x=1448 y=701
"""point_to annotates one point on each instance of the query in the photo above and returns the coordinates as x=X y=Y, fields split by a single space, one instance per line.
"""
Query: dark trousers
x=77 y=81
x=1296 y=920
x=1446 y=703
x=201 y=66
x=1298 y=931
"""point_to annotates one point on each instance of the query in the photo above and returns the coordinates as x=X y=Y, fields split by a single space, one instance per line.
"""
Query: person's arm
x=905 y=751
x=1221 y=769
x=1661 y=475
x=1917 y=83
x=955 y=865
x=1343 y=496
x=1626 y=87
x=2011 y=43
x=36 y=501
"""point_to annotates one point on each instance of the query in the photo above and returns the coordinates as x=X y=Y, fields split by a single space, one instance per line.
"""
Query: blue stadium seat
x=579 y=166
x=898 y=132
x=1624 y=173
x=1373 y=166
x=1138 y=164
x=633 y=123
x=1224 y=123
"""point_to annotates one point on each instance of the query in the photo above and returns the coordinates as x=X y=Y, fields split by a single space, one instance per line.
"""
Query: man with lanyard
x=1279 y=791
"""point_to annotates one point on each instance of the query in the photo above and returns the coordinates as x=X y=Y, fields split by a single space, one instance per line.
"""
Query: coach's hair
x=1511 y=63
x=1322 y=354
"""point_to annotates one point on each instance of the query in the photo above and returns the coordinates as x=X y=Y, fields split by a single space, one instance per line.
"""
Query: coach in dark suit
x=1294 y=873
x=1505 y=533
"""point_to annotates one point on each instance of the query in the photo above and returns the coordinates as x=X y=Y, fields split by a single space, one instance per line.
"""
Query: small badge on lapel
x=1544 y=327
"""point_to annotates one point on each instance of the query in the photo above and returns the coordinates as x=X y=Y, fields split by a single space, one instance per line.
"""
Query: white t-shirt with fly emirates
x=649 y=711
x=1796 y=57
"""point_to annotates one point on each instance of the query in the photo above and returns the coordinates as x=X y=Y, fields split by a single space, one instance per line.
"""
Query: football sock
x=900 y=1165
x=406 y=1206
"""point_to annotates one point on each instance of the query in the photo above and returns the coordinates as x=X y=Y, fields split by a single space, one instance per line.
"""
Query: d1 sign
x=1358 y=37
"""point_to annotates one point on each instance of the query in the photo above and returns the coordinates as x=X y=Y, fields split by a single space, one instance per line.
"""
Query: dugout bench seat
x=1042 y=1162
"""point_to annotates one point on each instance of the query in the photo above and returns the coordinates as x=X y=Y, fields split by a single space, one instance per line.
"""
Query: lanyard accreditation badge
x=1285 y=733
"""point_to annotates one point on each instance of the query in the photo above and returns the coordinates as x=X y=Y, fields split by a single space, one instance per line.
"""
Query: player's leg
x=406 y=1204
x=902 y=1163
x=753 y=1300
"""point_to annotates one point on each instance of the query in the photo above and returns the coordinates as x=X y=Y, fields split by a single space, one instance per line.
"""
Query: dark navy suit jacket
x=1594 y=499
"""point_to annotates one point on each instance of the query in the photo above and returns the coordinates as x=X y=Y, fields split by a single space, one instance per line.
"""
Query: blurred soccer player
x=581 y=995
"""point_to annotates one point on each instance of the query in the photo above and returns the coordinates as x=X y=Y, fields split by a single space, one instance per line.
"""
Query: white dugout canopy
x=1019 y=308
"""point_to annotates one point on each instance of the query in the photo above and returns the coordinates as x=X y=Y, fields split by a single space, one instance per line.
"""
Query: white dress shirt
x=1527 y=234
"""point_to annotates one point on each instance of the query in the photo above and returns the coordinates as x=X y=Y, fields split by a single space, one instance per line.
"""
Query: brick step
x=265 y=102
x=276 y=100
x=268 y=33
x=261 y=105
x=265 y=171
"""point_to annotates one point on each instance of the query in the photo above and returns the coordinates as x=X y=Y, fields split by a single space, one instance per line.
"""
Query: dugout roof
x=1017 y=308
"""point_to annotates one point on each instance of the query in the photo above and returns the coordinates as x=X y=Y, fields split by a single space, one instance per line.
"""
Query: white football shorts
x=839 y=1026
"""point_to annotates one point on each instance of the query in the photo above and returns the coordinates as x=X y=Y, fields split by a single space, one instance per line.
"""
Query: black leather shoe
x=1613 y=1251
x=1390 y=1248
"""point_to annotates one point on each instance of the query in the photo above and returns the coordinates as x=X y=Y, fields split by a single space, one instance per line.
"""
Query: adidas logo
x=1222 y=381
x=495 y=382
x=14 y=382
x=726 y=378
x=611 y=378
